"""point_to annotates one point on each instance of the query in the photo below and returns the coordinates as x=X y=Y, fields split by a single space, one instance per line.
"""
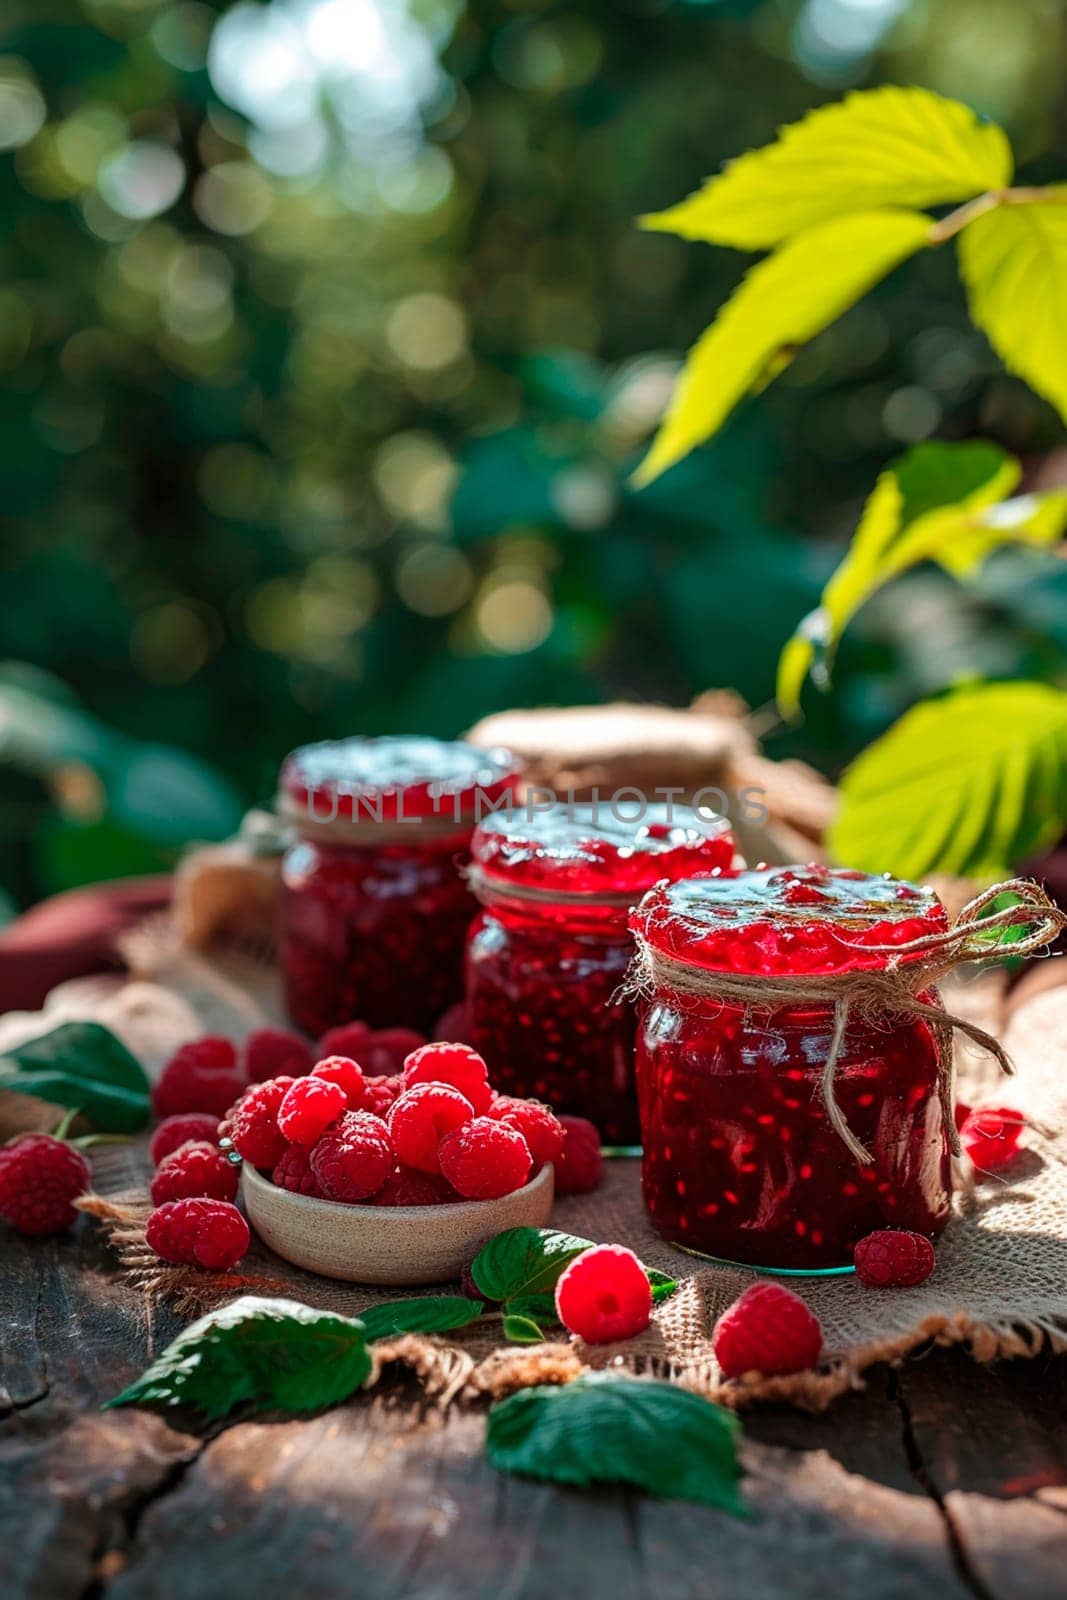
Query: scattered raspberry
x=202 y=1076
x=355 y=1158
x=381 y=1093
x=348 y=1076
x=175 y=1131
x=421 y=1118
x=309 y=1107
x=539 y=1126
x=294 y=1173
x=388 y=1049
x=604 y=1294
x=467 y=1286
x=581 y=1166
x=408 y=1187
x=39 y=1178
x=254 y=1123
x=381 y=1053
x=349 y=1040
x=483 y=1159
x=455 y=1023
x=991 y=1136
x=769 y=1329
x=196 y=1170
x=275 y=1053
x=455 y=1064
x=893 y=1259
x=199 y=1233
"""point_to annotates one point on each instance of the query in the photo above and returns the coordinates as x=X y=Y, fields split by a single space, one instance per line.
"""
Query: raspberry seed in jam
x=741 y=1161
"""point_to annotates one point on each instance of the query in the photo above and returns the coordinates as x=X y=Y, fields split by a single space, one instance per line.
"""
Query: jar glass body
x=741 y=1161
x=374 y=932
x=541 y=1007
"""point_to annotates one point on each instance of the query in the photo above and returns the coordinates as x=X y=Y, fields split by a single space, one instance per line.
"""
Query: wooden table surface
x=944 y=1477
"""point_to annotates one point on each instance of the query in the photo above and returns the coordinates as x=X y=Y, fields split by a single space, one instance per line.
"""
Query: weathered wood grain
x=993 y=1446
x=947 y=1476
x=413 y=1508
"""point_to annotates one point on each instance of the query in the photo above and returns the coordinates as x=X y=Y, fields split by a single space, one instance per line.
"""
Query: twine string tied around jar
x=912 y=969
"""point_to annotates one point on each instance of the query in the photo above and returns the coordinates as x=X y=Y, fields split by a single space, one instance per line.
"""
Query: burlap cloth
x=999 y=1289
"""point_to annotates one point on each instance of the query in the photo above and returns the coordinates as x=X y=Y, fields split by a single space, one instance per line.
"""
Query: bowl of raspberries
x=391 y=1178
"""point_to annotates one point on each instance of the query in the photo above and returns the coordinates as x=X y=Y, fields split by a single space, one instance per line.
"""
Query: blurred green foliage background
x=327 y=343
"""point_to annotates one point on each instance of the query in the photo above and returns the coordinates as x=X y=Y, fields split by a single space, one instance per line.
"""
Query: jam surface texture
x=551 y=949
x=740 y=1159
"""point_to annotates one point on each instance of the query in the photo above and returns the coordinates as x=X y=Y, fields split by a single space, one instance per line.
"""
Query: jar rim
x=585 y=850
x=783 y=921
x=394 y=779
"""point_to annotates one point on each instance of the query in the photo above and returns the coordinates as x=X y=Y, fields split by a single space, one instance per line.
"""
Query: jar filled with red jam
x=551 y=949
x=374 y=905
x=741 y=1160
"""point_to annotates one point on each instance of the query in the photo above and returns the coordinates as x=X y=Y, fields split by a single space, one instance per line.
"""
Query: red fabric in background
x=71 y=936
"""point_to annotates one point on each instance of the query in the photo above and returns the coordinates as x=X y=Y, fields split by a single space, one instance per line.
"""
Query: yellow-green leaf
x=968 y=784
x=877 y=147
x=782 y=303
x=939 y=502
x=1014 y=263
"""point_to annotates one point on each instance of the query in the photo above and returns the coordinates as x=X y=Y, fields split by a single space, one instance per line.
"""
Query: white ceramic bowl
x=387 y=1244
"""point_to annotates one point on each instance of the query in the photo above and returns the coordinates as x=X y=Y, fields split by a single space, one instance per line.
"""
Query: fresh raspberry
x=355 y=1158
x=381 y=1053
x=175 y=1131
x=893 y=1259
x=581 y=1166
x=408 y=1187
x=202 y=1076
x=604 y=1294
x=467 y=1286
x=253 y=1122
x=349 y=1039
x=484 y=1159
x=455 y=1064
x=539 y=1126
x=421 y=1118
x=769 y=1329
x=196 y=1170
x=309 y=1107
x=381 y=1093
x=199 y=1233
x=274 y=1052
x=294 y=1173
x=348 y=1076
x=454 y=1024
x=39 y=1178
x=991 y=1137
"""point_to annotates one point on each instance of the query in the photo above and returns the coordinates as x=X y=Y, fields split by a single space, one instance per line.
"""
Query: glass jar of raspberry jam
x=551 y=948
x=741 y=1159
x=374 y=905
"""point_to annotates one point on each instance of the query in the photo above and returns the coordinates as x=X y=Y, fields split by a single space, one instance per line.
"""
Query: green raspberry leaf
x=605 y=1429
x=273 y=1354
x=83 y=1066
x=524 y=1261
x=527 y=1316
x=522 y=1330
x=662 y=1285
x=434 y=1313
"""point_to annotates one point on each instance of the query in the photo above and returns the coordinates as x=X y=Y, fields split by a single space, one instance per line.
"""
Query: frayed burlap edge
x=448 y=1373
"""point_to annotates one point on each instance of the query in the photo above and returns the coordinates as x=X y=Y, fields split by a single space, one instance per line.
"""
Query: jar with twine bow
x=374 y=909
x=795 y=1061
x=551 y=947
